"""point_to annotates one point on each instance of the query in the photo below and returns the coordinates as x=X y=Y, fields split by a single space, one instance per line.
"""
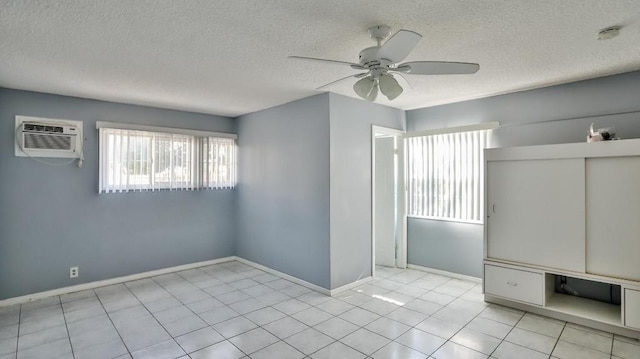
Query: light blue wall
x=440 y=244
x=449 y=246
x=351 y=122
x=283 y=193
x=52 y=218
x=303 y=206
x=304 y=197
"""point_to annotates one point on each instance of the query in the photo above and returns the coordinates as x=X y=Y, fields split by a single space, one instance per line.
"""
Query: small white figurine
x=593 y=136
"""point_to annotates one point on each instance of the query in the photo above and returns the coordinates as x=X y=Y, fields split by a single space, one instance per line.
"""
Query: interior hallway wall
x=351 y=122
x=283 y=190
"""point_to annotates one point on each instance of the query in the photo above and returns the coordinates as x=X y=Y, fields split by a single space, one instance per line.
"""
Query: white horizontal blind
x=445 y=175
x=132 y=160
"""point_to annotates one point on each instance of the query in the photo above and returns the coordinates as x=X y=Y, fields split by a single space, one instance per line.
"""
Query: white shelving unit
x=565 y=210
x=585 y=308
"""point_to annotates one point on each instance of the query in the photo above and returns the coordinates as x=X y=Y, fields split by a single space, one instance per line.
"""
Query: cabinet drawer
x=632 y=308
x=513 y=284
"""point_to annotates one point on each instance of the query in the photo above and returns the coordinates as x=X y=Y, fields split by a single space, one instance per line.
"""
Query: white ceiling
x=230 y=57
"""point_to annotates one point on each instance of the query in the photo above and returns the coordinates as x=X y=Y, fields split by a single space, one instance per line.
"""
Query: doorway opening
x=388 y=230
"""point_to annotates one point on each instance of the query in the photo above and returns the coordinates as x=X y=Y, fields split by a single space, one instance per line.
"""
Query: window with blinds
x=219 y=163
x=445 y=175
x=136 y=160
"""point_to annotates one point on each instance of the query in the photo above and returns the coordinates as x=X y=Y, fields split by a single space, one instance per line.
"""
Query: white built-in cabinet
x=568 y=210
x=613 y=210
x=553 y=235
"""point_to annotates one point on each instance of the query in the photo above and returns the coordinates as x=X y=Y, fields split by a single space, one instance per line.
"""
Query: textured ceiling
x=230 y=57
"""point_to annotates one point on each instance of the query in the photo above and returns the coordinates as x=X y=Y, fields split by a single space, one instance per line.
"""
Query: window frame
x=198 y=161
x=488 y=126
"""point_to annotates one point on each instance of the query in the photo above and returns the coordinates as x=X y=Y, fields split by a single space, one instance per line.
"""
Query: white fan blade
x=357 y=76
x=399 y=46
x=405 y=82
x=389 y=86
x=353 y=65
x=438 y=68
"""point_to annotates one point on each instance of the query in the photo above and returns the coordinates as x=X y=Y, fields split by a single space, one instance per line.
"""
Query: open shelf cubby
x=588 y=305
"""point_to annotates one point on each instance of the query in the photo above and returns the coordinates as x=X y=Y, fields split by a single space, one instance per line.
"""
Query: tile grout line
x=359 y=327
x=66 y=326
x=197 y=315
x=464 y=326
x=613 y=340
x=179 y=301
x=211 y=326
x=261 y=327
x=239 y=275
x=428 y=316
x=505 y=337
x=18 y=334
x=153 y=316
x=112 y=323
x=228 y=306
x=513 y=327
x=558 y=340
x=186 y=306
x=239 y=315
x=308 y=326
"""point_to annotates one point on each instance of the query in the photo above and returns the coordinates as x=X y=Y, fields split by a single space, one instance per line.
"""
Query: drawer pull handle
x=513 y=284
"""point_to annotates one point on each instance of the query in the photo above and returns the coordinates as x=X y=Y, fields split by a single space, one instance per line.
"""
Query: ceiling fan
x=380 y=62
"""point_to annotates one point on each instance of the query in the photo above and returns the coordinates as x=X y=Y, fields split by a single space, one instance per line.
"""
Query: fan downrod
x=379 y=33
x=369 y=56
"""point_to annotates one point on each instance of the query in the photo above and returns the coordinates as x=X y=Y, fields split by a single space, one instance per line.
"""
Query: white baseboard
x=445 y=273
x=102 y=283
x=290 y=278
x=132 y=277
x=346 y=287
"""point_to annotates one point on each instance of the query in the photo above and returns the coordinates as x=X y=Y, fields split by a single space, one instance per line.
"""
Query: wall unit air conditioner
x=46 y=137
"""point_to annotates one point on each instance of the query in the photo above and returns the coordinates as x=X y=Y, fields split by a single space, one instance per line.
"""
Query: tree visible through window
x=445 y=174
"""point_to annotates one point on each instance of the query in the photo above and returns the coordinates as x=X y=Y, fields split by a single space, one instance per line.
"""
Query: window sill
x=445 y=219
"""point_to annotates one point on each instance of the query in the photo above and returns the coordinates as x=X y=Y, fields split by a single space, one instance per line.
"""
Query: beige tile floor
x=232 y=310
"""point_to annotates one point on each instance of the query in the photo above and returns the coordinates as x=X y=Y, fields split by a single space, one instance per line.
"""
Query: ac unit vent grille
x=48 y=141
x=48 y=137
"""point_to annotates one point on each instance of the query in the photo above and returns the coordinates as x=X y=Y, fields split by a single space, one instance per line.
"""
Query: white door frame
x=401 y=259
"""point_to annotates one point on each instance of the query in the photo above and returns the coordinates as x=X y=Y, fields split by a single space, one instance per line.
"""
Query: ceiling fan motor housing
x=369 y=58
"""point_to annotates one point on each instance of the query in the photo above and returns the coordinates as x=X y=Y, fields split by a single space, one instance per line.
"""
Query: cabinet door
x=632 y=308
x=535 y=212
x=613 y=216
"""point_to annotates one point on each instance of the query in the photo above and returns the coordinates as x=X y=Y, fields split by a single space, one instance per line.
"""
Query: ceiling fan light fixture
x=373 y=94
x=364 y=87
x=380 y=61
x=390 y=87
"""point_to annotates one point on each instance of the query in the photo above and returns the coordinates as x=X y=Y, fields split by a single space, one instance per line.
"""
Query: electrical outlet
x=73 y=272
